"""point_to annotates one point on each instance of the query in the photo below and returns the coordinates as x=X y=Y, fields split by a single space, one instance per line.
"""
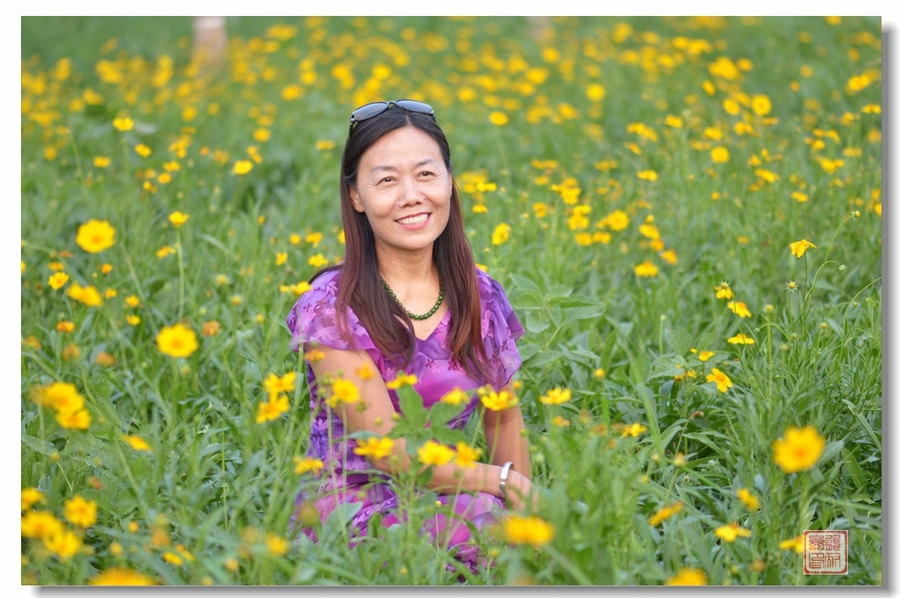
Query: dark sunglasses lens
x=368 y=111
x=414 y=106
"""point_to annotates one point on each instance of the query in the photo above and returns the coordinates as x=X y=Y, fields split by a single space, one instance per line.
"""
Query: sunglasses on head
x=373 y=109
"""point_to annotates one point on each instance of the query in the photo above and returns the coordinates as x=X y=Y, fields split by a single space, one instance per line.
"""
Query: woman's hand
x=521 y=494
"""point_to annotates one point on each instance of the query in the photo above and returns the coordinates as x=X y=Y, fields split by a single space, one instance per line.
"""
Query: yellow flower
x=276 y=545
x=467 y=456
x=599 y=373
x=40 y=524
x=64 y=544
x=433 y=453
x=308 y=463
x=500 y=234
x=137 y=443
x=164 y=251
x=798 y=248
x=688 y=576
x=719 y=154
x=556 y=396
x=796 y=544
x=731 y=532
x=272 y=409
x=456 y=396
x=761 y=104
x=177 y=218
x=81 y=512
x=171 y=557
x=280 y=257
x=723 y=382
x=560 y=422
x=704 y=355
x=750 y=501
x=665 y=512
x=499 y=401
x=402 y=380
x=74 y=420
x=527 y=530
x=31 y=496
x=723 y=291
x=123 y=123
x=101 y=161
x=498 y=118
x=669 y=256
x=798 y=450
x=617 y=221
x=595 y=92
x=275 y=385
x=119 y=576
x=741 y=339
x=343 y=391
x=95 y=235
x=635 y=430
x=739 y=308
x=374 y=447
x=646 y=269
x=317 y=261
x=132 y=301
x=60 y=396
x=143 y=150
x=177 y=341
x=242 y=167
x=648 y=175
x=65 y=326
x=133 y=320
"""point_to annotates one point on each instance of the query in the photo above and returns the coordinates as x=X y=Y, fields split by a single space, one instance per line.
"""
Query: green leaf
x=678 y=339
x=555 y=315
x=558 y=291
x=640 y=369
x=411 y=405
x=584 y=313
x=449 y=436
x=525 y=284
x=441 y=413
x=38 y=445
x=579 y=301
x=534 y=324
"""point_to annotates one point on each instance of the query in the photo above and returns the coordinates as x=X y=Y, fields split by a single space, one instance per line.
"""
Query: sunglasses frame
x=406 y=104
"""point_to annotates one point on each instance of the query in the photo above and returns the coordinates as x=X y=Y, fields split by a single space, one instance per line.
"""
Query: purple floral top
x=313 y=320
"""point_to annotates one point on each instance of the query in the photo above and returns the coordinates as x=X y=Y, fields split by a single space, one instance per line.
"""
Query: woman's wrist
x=504 y=477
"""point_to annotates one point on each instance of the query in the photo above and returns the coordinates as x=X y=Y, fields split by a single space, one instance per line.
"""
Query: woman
x=408 y=297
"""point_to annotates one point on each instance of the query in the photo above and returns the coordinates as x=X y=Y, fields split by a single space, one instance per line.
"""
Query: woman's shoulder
x=491 y=290
x=315 y=308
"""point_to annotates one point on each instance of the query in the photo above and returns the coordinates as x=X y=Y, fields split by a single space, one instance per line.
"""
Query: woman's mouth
x=413 y=221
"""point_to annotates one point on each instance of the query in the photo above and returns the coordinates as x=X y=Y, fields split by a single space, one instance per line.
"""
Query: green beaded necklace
x=424 y=316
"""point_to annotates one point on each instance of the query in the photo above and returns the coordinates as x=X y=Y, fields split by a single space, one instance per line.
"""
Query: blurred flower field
x=685 y=213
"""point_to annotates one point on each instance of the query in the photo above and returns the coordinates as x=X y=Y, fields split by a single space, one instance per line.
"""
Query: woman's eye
x=386 y=179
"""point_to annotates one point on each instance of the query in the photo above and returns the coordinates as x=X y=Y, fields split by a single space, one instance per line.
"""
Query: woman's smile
x=415 y=221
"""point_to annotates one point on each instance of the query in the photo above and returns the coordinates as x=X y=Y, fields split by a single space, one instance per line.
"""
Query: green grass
x=216 y=482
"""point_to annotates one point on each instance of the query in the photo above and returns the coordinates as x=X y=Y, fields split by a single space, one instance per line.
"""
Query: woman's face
x=404 y=188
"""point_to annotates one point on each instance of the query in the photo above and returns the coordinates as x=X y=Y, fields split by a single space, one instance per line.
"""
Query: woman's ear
x=354 y=199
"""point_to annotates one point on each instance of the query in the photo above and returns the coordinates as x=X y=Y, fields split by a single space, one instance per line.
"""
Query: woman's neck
x=401 y=268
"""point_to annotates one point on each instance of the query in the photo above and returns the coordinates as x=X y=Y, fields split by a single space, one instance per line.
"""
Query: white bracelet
x=503 y=475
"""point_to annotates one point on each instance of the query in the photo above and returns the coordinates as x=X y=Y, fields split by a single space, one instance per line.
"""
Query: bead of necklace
x=424 y=316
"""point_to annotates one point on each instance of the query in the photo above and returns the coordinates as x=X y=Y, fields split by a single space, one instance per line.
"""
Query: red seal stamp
x=825 y=552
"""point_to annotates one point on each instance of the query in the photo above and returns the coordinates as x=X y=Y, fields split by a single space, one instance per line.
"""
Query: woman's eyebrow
x=393 y=168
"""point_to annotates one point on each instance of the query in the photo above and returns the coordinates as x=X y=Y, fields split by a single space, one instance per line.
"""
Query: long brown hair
x=360 y=285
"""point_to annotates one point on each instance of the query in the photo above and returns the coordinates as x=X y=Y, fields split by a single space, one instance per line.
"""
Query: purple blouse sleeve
x=500 y=328
x=313 y=319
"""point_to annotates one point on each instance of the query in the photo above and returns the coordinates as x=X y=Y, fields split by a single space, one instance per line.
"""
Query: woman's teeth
x=414 y=219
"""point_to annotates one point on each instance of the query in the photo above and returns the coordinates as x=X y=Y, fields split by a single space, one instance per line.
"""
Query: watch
x=504 y=473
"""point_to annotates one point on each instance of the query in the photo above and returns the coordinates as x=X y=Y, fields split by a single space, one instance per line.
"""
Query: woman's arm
x=375 y=412
x=504 y=432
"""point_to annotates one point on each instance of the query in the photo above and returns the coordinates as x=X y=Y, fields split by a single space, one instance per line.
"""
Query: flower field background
x=685 y=213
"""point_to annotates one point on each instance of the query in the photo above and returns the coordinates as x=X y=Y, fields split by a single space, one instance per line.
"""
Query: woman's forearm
x=504 y=432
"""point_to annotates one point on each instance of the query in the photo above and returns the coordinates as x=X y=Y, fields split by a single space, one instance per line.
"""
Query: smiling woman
x=407 y=297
